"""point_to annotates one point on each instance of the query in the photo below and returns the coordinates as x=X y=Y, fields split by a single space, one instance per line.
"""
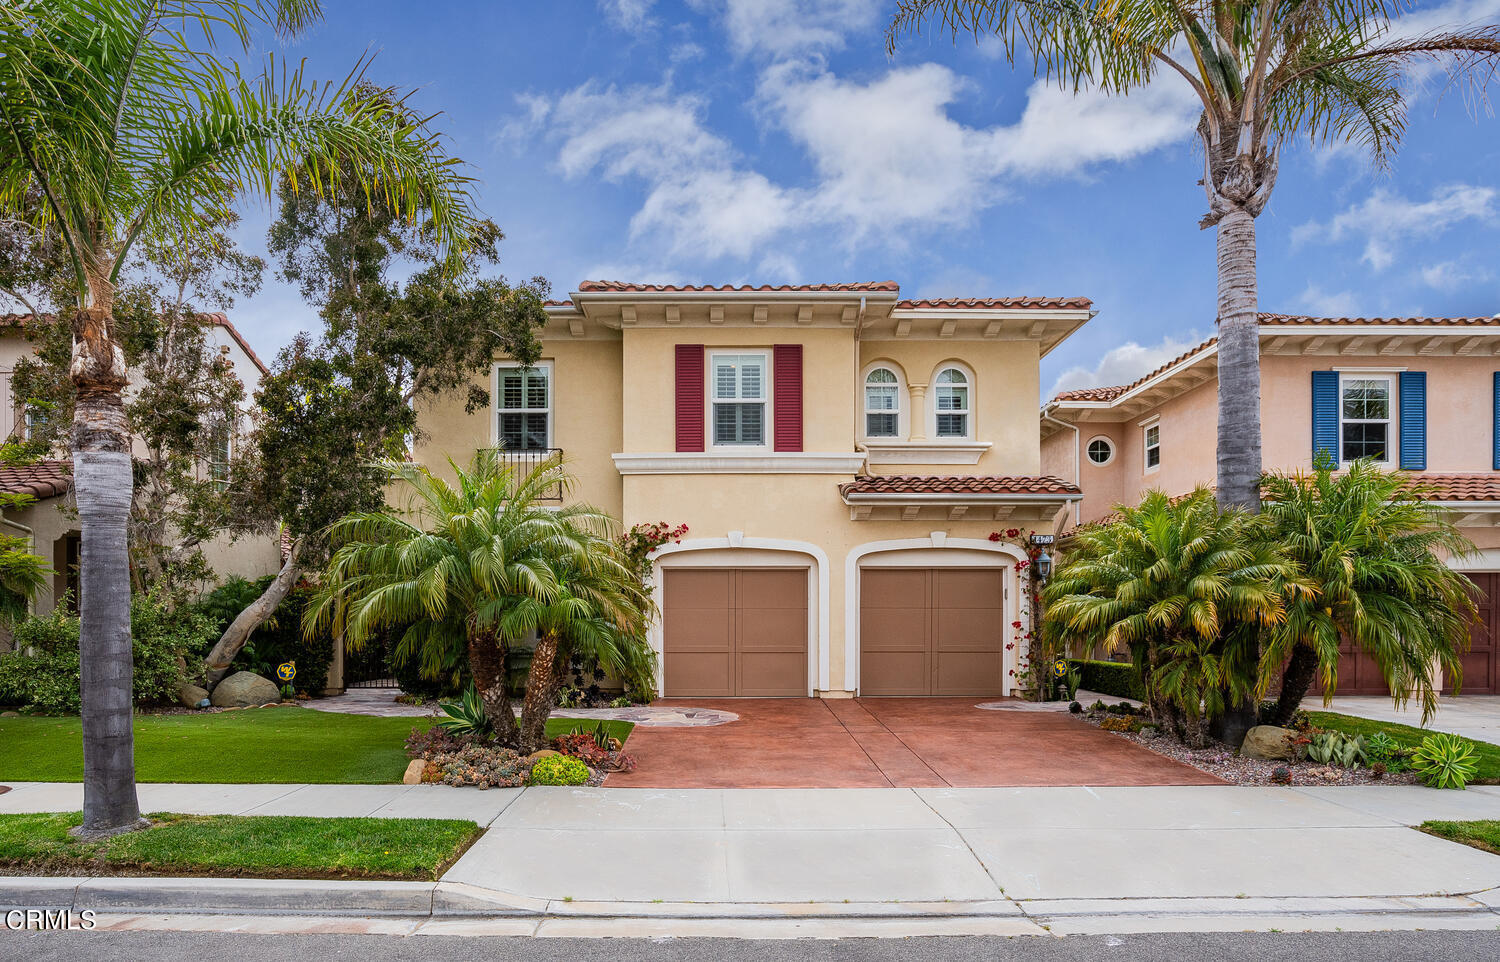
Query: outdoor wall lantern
x=1044 y=565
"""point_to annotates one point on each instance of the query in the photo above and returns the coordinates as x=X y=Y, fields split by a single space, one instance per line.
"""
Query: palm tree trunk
x=216 y=664
x=1239 y=463
x=489 y=665
x=541 y=691
x=1296 y=679
x=102 y=485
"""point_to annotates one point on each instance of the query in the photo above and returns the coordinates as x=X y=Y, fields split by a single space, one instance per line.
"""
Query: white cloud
x=1061 y=132
x=1384 y=219
x=1124 y=364
x=1451 y=275
x=1321 y=303
x=631 y=15
x=785 y=28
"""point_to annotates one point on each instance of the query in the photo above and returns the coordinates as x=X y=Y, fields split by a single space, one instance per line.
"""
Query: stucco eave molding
x=786 y=462
x=926 y=452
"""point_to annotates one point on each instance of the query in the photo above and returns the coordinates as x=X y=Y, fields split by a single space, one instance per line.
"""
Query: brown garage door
x=734 y=631
x=931 y=631
x=1481 y=663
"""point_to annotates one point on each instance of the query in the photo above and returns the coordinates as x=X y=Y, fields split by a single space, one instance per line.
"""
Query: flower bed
x=461 y=761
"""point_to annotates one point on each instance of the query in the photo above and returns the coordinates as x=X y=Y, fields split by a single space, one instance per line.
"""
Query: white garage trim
x=935 y=551
x=738 y=551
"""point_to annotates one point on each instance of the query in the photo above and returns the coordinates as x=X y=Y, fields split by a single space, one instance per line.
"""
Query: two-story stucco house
x=1420 y=394
x=49 y=524
x=839 y=454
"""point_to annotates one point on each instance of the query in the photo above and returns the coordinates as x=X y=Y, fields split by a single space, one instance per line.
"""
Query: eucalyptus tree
x=1265 y=71
x=130 y=121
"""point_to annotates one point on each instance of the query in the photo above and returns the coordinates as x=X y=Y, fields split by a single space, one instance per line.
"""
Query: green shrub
x=42 y=673
x=466 y=717
x=559 y=770
x=278 y=640
x=1445 y=761
x=1334 y=748
x=1110 y=678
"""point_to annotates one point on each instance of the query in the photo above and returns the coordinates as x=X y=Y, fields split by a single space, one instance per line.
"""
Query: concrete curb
x=417 y=900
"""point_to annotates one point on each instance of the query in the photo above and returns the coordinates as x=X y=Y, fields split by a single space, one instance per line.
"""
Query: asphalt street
x=1219 y=947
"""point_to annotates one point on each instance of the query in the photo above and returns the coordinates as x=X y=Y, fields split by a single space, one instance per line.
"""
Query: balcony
x=525 y=460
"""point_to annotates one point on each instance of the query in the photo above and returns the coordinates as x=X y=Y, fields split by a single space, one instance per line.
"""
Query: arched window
x=951 y=403
x=882 y=404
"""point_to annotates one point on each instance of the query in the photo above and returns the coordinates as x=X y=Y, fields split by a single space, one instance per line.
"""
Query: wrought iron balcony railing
x=525 y=460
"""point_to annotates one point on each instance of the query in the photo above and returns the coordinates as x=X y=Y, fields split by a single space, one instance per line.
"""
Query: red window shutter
x=786 y=370
x=690 y=397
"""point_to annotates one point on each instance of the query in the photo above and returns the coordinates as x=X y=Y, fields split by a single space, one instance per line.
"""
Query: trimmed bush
x=1110 y=678
x=559 y=770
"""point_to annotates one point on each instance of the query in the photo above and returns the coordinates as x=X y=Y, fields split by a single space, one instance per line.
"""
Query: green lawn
x=1487 y=756
x=241 y=845
x=1483 y=835
x=256 y=745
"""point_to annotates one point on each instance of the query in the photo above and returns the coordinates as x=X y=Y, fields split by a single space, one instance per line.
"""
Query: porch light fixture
x=1044 y=565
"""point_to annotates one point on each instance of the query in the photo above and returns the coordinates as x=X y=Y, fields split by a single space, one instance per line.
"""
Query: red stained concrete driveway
x=889 y=743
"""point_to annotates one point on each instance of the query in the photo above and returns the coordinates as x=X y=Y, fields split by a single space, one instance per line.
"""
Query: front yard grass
x=1486 y=756
x=259 y=846
x=268 y=745
x=1483 y=835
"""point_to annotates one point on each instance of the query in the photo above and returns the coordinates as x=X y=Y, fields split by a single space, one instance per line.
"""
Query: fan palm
x=1184 y=587
x=1374 y=548
x=127 y=121
x=1264 y=71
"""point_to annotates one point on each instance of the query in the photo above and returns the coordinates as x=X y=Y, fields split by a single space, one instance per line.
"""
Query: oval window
x=1100 y=450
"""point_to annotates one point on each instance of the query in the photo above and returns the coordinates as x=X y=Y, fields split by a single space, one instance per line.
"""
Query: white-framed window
x=1151 y=444
x=952 y=398
x=220 y=450
x=1367 y=409
x=738 y=389
x=882 y=403
x=522 y=399
x=1100 y=451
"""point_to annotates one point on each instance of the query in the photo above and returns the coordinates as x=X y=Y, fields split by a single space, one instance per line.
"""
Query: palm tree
x=129 y=123
x=1374 y=548
x=1184 y=587
x=1263 y=71
x=473 y=566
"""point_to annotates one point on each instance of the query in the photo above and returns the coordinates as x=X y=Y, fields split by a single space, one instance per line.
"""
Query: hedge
x=1119 y=679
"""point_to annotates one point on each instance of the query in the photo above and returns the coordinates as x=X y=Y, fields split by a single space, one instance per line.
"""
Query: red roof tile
x=994 y=303
x=1460 y=487
x=956 y=484
x=1296 y=319
x=45 y=479
x=626 y=287
x=557 y=303
x=1110 y=393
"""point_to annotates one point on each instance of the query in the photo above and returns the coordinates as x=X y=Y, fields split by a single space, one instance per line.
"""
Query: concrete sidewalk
x=1027 y=855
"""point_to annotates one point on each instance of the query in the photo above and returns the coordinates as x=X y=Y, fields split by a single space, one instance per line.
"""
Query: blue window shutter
x=1413 y=393
x=1497 y=420
x=1325 y=414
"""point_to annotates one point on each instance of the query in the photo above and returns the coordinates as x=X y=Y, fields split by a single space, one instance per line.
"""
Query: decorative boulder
x=244 y=689
x=537 y=756
x=1268 y=742
x=192 y=696
x=414 y=770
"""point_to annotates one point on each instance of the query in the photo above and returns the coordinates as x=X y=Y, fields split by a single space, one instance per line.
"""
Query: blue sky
x=773 y=141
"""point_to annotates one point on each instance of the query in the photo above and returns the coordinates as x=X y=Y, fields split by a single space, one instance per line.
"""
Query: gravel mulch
x=1236 y=770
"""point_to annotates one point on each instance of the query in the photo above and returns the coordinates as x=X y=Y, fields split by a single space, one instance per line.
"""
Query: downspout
x=859 y=401
x=1077 y=464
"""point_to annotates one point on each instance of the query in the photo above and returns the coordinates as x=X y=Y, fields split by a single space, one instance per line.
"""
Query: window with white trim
x=882 y=404
x=1365 y=415
x=1100 y=451
x=1153 y=446
x=523 y=407
x=738 y=391
x=951 y=400
x=220 y=450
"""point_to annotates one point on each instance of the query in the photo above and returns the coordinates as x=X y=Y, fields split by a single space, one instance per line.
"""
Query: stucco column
x=917 y=419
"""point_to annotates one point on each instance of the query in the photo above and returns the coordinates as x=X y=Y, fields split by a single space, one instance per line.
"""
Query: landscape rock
x=537 y=756
x=414 y=771
x=192 y=696
x=244 y=689
x=1268 y=742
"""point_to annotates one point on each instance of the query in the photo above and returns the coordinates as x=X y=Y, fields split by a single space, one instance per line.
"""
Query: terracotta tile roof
x=1296 y=319
x=45 y=479
x=1110 y=393
x=994 y=303
x=1461 y=487
x=216 y=318
x=956 y=484
x=629 y=288
x=557 y=303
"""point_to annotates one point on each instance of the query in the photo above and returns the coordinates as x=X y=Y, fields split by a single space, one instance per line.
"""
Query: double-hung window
x=738 y=398
x=1153 y=446
x=1365 y=418
x=220 y=450
x=523 y=404
x=882 y=404
x=952 y=402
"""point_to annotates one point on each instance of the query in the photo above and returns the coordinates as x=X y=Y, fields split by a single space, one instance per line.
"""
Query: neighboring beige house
x=1421 y=394
x=50 y=523
x=840 y=455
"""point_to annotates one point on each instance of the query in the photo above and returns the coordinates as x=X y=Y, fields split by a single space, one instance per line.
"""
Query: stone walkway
x=382 y=702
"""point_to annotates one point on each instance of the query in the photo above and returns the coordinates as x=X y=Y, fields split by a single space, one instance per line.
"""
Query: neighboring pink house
x=1420 y=394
